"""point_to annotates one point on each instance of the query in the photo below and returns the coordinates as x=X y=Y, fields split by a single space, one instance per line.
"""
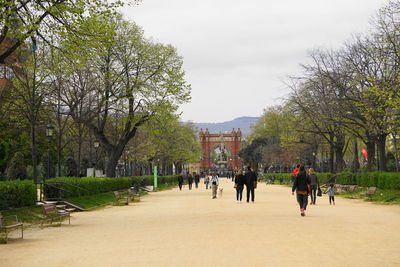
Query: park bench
x=352 y=188
x=134 y=192
x=7 y=224
x=121 y=195
x=51 y=214
x=371 y=191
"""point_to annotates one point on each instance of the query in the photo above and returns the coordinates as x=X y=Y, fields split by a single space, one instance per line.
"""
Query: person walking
x=180 y=181
x=240 y=180
x=301 y=185
x=251 y=183
x=214 y=185
x=190 y=181
x=331 y=194
x=314 y=185
x=207 y=180
x=196 y=180
x=295 y=172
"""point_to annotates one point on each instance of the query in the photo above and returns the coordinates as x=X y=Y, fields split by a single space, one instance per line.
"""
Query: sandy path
x=188 y=228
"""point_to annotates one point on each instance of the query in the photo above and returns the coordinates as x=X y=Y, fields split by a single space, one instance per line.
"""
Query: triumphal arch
x=220 y=150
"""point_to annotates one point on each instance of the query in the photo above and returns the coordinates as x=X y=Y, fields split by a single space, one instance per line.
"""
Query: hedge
x=17 y=193
x=97 y=185
x=382 y=180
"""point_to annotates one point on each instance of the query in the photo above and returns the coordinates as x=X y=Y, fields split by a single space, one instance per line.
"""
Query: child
x=331 y=193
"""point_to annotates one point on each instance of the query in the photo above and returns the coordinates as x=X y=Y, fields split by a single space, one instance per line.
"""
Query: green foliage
x=382 y=180
x=14 y=194
x=97 y=185
x=17 y=169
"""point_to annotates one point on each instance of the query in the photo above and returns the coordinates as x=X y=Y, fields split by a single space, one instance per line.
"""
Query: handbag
x=235 y=186
x=319 y=192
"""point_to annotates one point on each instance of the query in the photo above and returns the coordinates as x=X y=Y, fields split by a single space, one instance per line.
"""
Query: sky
x=238 y=54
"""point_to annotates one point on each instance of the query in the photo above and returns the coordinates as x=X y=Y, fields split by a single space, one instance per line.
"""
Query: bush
x=15 y=194
x=382 y=180
x=97 y=185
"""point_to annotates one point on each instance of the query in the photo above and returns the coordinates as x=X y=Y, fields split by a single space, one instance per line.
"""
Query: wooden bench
x=52 y=214
x=371 y=191
x=6 y=227
x=352 y=188
x=121 y=195
x=133 y=192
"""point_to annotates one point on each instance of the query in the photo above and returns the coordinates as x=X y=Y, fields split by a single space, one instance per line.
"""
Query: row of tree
x=80 y=68
x=345 y=100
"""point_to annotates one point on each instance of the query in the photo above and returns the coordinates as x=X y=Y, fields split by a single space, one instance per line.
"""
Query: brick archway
x=231 y=141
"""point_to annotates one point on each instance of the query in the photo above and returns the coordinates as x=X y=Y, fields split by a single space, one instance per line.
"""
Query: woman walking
x=314 y=185
x=240 y=180
x=302 y=186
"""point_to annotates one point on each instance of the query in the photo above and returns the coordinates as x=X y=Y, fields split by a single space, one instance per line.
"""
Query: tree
x=133 y=80
x=30 y=19
x=17 y=167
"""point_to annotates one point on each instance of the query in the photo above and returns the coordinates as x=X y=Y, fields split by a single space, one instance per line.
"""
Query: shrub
x=15 y=194
x=382 y=180
x=96 y=185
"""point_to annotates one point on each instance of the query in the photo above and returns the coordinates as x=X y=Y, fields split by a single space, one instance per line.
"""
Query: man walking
x=251 y=183
x=180 y=181
x=214 y=185
x=196 y=180
x=190 y=181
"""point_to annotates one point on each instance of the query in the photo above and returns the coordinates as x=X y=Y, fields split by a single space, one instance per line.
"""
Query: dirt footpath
x=188 y=228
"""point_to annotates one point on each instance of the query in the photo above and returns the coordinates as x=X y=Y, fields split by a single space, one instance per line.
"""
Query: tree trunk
x=356 y=164
x=371 y=155
x=339 y=146
x=382 y=151
x=34 y=154
x=113 y=156
x=59 y=154
x=331 y=155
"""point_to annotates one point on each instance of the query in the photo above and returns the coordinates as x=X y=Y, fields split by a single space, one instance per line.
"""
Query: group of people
x=248 y=179
x=305 y=184
x=190 y=179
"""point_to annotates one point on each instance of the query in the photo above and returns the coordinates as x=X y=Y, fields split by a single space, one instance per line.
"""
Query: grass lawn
x=382 y=196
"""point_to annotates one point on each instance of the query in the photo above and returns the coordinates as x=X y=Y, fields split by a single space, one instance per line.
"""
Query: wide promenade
x=188 y=228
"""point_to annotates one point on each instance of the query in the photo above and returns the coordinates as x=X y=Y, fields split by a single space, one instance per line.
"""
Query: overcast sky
x=237 y=53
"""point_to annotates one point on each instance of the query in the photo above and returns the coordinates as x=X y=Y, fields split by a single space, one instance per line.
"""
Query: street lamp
x=96 y=145
x=49 y=134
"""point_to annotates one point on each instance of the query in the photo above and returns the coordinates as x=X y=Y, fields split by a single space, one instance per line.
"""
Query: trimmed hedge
x=382 y=180
x=97 y=185
x=16 y=194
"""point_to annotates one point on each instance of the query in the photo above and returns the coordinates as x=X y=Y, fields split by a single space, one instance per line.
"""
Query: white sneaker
x=237 y=201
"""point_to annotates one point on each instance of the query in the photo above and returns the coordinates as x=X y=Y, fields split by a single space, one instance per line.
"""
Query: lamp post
x=49 y=134
x=96 y=145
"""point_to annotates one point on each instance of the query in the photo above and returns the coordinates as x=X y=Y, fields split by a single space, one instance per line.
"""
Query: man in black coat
x=180 y=181
x=196 y=180
x=251 y=183
x=190 y=181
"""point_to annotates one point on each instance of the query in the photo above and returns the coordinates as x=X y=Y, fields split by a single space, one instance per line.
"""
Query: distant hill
x=243 y=123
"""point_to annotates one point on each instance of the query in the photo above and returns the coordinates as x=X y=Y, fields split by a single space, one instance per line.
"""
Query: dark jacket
x=190 y=179
x=251 y=178
x=180 y=179
x=301 y=183
x=314 y=180
x=197 y=178
x=240 y=180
